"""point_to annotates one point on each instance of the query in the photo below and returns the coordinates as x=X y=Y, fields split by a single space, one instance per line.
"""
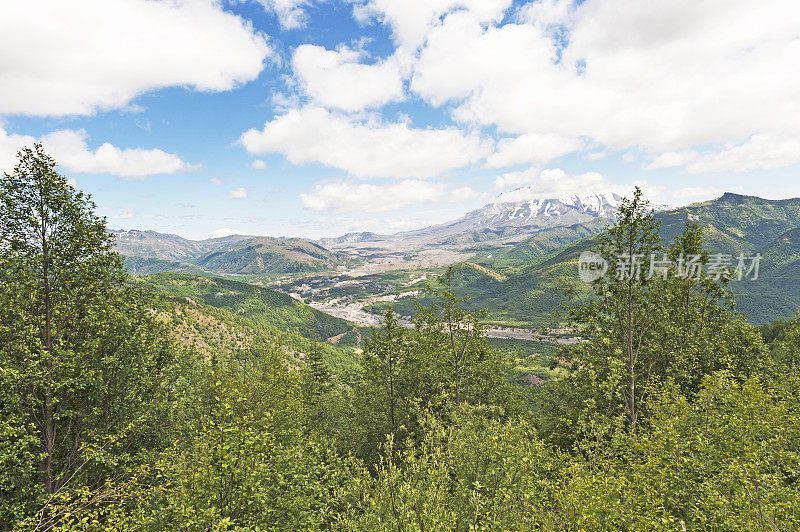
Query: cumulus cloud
x=10 y=144
x=64 y=58
x=615 y=73
x=551 y=183
x=758 y=152
x=531 y=148
x=412 y=20
x=258 y=164
x=352 y=196
x=365 y=148
x=290 y=13
x=671 y=159
x=215 y=181
x=70 y=150
x=237 y=193
x=337 y=78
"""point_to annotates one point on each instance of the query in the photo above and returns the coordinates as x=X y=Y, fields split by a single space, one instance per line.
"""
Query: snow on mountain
x=540 y=212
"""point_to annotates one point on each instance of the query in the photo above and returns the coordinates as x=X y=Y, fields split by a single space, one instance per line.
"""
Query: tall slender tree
x=83 y=356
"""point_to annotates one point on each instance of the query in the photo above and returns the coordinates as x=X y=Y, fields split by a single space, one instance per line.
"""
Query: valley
x=512 y=259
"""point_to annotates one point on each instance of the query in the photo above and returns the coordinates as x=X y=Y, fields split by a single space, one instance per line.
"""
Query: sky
x=316 y=118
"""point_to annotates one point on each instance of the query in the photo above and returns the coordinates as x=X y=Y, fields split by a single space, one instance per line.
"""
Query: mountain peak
x=730 y=197
x=599 y=204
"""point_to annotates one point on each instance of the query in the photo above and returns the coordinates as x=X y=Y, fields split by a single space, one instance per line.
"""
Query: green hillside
x=272 y=255
x=733 y=224
x=783 y=250
x=147 y=265
x=553 y=239
x=148 y=252
x=215 y=332
x=776 y=293
x=260 y=305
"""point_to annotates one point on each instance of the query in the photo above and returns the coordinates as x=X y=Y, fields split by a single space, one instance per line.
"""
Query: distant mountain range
x=151 y=244
x=149 y=252
x=532 y=244
x=495 y=222
x=732 y=224
x=557 y=221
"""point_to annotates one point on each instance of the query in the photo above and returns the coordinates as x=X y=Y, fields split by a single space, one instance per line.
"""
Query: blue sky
x=305 y=118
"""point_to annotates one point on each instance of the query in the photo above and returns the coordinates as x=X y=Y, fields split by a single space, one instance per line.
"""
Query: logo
x=591 y=266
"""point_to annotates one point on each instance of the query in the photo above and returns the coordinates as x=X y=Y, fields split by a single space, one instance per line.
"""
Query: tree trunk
x=48 y=424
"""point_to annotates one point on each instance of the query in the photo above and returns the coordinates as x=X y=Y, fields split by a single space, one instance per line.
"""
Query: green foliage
x=477 y=473
x=786 y=348
x=533 y=361
x=727 y=459
x=261 y=305
x=243 y=461
x=443 y=361
x=731 y=224
x=667 y=414
x=269 y=255
x=640 y=329
x=85 y=370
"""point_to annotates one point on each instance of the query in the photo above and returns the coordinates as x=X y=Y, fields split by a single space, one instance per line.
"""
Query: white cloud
x=758 y=152
x=686 y=195
x=353 y=196
x=225 y=231
x=365 y=148
x=685 y=75
x=10 y=144
x=215 y=181
x=671 y=159
x=63 y=58
x=70 y=150
x=412 y=20
x=237 y=193
x=594 y=156
x=551 y=183
x=337 y=78
x=290 y=13
x=515 y=179
x=258 y=164
x=532 y=148
x=547 y=13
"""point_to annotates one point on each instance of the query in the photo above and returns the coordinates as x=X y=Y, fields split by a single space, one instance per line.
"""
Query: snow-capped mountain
x=516 y=212
x=542 y=212
x=531 y=214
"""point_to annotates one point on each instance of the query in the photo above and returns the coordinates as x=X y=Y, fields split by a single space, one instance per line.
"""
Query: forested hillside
x=126 y=409
x=150 y=252
x=534 y=276
x=262 y=305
